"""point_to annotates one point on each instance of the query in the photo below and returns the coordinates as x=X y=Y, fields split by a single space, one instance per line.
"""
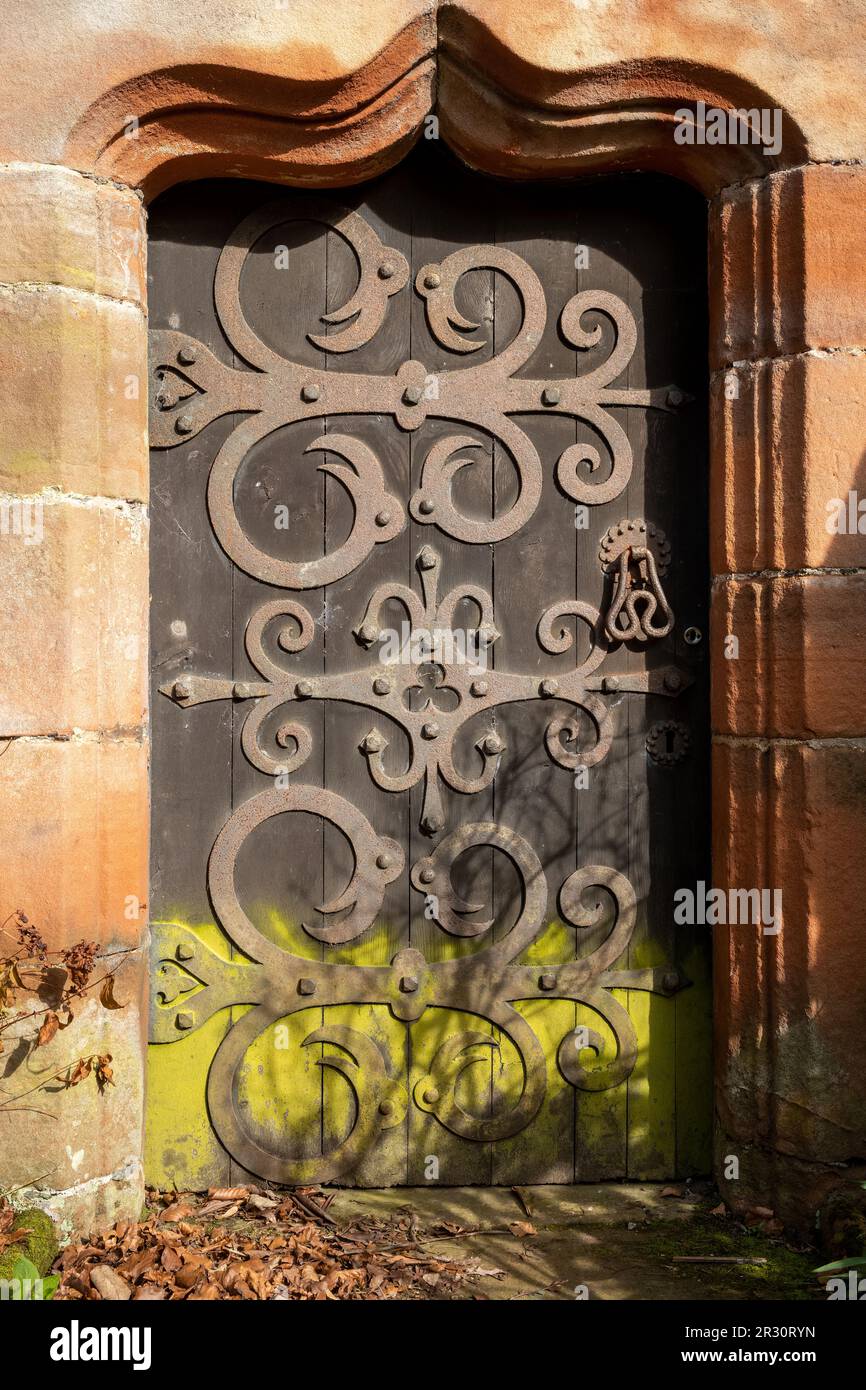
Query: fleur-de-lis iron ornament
x=383 y=689
x=430 y=704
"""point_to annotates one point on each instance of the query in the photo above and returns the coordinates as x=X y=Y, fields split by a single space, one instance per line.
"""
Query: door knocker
x=637 y=554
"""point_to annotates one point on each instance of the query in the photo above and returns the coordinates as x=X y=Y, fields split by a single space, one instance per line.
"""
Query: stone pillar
x=73 y=662
x=789 y=711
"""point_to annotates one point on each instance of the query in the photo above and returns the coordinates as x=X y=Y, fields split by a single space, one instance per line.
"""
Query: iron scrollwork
x=487 y=984
x=193 y=388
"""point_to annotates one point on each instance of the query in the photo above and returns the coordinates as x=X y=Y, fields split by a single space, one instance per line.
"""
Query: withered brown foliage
x=249 y=1243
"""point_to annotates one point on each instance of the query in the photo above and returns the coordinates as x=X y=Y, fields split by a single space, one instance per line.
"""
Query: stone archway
x=348 y=97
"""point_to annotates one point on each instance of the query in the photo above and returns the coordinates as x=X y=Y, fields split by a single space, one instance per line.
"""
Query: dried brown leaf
x=106 y=994
x=50 y=1025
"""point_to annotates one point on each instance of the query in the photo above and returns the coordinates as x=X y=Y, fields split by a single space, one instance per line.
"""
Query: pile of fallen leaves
x=249 y=1243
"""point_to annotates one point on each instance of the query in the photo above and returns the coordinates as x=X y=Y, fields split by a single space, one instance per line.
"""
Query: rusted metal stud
x=181 y=690
x=383 y=518
x=386 y=1108
x=675 y=396
x=430 y=1096
x=427 y=875
x=184 y=952
x=185 y=1021
x=412 y=395
x=551 y=395
x=367 y=634
x=673 y=680
x=243 y=690
x=610 y=683
x=384 y=861
x=492 y=744
x=432 y=281
x=432 y=823
x=670 y=980
x=547 y=982
x=184 y=423
x=479 y=688
x=382 y=685
x=408 y=984
x=310 y=392
x=430 y=730
x=426 y=506
x=306 y=986
x=372 y=742
x=426 y=557
x=387 y=270
x=548 y=687
x=187 y=355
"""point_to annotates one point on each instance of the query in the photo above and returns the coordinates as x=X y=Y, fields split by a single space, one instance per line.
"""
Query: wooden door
x=429 y=605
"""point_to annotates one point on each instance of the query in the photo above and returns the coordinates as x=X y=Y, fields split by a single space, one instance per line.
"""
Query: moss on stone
x=39 y=1246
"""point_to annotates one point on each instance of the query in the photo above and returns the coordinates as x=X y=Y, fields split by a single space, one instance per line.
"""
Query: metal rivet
x=181 y=690
x=383 y=518
x=430 y=730
x=184 y=952
x=675 y=396
x=383 y=861
x=185 y=1021
x=670 y=980
x=432 y=824
x=372 y=743
x=426 y=506
x=306 y=986
x=412 y=395
x=310 y=392
x=492 y=744
x=478 y=688
x=184 y=424
x=386 y=1107
x=549 y=687
x=673 y=680
x=304 y=690
x=187 y=356
x=430 y=1096
x=550 y=396
x=386 y=270
x=381 y=685
x=242 y=690
x=427 y=875
x=610 y=683
x=547 y=982
x=367 y=633
x=432 y=281
x=408 y=984
x=427 y=558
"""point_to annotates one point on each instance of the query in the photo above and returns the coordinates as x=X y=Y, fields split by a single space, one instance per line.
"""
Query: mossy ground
x=39 y=1246
x=776 y=1270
